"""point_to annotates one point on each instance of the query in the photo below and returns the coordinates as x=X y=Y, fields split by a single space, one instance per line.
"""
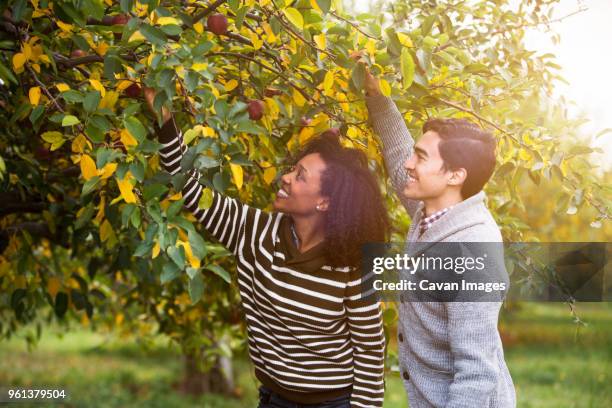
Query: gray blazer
x=450 y=353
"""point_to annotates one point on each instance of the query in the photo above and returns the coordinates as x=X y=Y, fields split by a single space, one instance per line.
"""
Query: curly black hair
x=356 y=213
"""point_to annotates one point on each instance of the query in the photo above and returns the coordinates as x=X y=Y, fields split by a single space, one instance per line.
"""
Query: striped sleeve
x=368 y=340
x=225 y=219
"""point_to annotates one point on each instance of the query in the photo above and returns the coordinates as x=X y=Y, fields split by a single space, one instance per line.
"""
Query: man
x=450 y=353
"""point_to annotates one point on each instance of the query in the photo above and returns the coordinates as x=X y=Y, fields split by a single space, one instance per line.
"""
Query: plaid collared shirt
x=427 y=222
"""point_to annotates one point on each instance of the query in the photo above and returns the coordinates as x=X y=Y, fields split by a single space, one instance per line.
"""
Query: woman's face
x=300 y=191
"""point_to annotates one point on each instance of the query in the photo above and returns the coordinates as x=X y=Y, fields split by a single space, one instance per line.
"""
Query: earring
x=319 y=207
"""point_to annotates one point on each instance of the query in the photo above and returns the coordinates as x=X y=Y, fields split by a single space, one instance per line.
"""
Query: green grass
x=552 y=364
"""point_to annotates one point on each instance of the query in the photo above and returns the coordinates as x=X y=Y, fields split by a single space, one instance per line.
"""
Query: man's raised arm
x=397 y=143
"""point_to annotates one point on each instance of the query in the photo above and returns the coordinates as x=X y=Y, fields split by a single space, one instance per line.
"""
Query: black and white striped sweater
x=312 y=337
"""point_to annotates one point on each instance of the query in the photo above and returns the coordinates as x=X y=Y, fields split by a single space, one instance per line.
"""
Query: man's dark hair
x=465 y=145
x=356 y=214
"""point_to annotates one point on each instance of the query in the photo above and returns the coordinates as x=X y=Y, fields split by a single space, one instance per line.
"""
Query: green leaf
x=248 y=126
x=61 y=304
x=324 y=5
x=72 y=96
x=135 y=128
x=7 y=75
x=90 y=185
x=407 y=68
x=70 y=120
x=92 y=99
x=197 y=243
x=603 y=132
x=154 y=35
x=196 y=288
x=177 y=255
x=295 y=17
x=112 y=65
x=154 y=190
x=93 y=8
x=358 y=76
x=174 y=208
x=219 y=271
x=169 y=272
x=126 y=5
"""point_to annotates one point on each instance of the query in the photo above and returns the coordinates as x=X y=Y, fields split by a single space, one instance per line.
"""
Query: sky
x=585 y=53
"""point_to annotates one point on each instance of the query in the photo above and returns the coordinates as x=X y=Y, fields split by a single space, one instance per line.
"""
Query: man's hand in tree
x=372 y=85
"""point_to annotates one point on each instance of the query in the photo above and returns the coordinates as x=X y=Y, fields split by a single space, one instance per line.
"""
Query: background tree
x=91 y=223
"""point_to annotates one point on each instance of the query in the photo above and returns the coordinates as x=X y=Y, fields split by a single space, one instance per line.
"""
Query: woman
x=313 y=338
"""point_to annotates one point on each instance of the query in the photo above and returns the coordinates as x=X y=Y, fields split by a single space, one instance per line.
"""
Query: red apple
x=217 y=23
x=78 y=54
x=108 y=20
x=305 y=121
x=121 y=19
x=133 y=91
x=256 y=109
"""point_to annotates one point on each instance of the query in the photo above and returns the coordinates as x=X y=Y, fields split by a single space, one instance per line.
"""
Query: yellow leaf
x=295 y=17
x=200 y=66
x=404 y=40
x=101 y=207
x=53 y=286
x=168 y=20
x=137 y=36
x=155 y=251
x=52 y=137
x=257 y=42
x=269 y=175
x=298 y=98
x=79 y=143
x=230 y=85
x=88 y=167
x=328 y=82
x=98 y=86
x=36 y=68
x=62 y=87
x=208 y=131
x=63 y=26
x=271 y=38
x=124 y=84
x=119 y=319
x=106 y=229
x=18 y=60
x=57 y=145
x=320 y=41
x=371 y=47
x=198 y=27
x=127 y=139
x=126 y=188
x=385 y=88
x=206 y=199
x=305 y=134
x=176 y=197
x=27 y=51
x=110 y=100
x=193 y=261
x=237 y=174
x=314 y=5
x=108 y=170
x=101 y=49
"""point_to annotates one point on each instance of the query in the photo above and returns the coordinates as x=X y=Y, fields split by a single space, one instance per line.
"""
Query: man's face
x=427 y=177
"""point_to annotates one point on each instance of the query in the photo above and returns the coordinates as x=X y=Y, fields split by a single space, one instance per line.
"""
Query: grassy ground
x=552 y=365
